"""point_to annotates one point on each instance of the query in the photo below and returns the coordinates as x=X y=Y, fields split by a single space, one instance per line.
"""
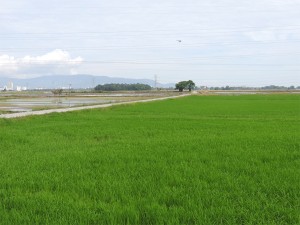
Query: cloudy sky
x=213 y=42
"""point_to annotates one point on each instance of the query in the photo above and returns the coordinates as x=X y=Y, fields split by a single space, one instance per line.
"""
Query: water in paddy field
x=14 y=109
x=29 y=104
x=235 y=93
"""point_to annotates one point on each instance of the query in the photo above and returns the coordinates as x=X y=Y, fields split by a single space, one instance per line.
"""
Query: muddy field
x=33 y=101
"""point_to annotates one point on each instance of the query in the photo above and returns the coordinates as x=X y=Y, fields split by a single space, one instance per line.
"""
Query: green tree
x=181 y=85
x=190 y=85
x=185 y=85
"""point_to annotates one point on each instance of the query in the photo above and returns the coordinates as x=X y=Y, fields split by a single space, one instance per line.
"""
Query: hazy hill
x=76 y=81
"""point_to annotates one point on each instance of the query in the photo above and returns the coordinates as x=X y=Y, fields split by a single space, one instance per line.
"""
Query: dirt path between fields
x=42 y=112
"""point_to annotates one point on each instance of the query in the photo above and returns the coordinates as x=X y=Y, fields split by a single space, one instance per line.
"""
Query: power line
x=151 y=47
x=150 y=10
x=225 y=29
x=210 y=57
x=76 y=62
x=168 y=42
x=149 y=37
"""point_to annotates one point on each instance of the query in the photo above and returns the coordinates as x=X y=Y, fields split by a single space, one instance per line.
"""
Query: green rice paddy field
x=193 y=160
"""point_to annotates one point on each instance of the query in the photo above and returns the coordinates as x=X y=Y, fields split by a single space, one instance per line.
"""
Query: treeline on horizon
x=270 y=87
x=123 y=87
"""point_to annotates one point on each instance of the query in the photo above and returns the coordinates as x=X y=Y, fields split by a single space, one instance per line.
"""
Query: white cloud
x=55 y=62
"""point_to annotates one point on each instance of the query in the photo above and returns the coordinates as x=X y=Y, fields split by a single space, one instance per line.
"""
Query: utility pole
x=70 y=89
x=70 y=85
x=155 y=82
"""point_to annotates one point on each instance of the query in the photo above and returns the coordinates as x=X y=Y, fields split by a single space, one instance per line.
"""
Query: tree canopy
x=123 y=87
x=57 y=91
x=185 y=85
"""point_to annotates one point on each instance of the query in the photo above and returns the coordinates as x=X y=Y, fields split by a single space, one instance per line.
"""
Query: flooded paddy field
x=30 y=101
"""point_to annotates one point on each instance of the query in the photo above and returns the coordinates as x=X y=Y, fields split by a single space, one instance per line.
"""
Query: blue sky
x=223 y=42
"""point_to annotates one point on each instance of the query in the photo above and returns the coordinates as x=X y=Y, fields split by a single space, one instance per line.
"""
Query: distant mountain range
x=76 y=81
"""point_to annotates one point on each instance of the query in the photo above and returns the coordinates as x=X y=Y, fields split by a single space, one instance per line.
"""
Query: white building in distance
x=10 y=86
x=19 y=88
